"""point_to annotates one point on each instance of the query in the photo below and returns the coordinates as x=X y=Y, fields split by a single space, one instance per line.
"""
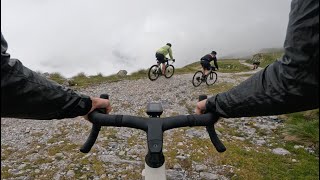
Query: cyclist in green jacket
x=161 y=55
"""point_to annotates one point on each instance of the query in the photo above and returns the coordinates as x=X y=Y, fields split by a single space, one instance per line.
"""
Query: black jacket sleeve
x=26 y=94
x=290 y=84
x=215 y=61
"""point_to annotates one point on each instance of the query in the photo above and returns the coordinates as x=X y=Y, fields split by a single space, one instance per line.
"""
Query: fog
x=105 y=36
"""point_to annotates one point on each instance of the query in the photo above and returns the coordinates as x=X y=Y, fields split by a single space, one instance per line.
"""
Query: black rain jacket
x=26 y=94
x=290 y=84
x=209 y=58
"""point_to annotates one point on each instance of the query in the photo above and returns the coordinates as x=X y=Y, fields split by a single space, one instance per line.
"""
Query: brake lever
x=212 y=133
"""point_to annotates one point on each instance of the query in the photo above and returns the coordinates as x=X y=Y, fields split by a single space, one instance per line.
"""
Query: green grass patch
x=262 y=164
x=257 y=163
x=305 y=127
x=84 y=81
x=65 y=147
x=142 y=73
x=232 y=66
x=5 y=172
x=190 y=68
x=225 y=66
x=57 y=77
x=6 y=151
x=220 y=87
x=81 y=80
x=132 y=140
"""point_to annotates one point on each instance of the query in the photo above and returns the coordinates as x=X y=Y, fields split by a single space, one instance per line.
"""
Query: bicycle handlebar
x=142 y=123
x=154 y=127
x=167 y=60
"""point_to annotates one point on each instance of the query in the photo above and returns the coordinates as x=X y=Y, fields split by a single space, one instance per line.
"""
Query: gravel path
x=32 y=149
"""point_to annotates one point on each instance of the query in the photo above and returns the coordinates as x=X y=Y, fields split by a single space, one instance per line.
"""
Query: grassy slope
x=268 y=58
x=225 y=66
x=81 y=80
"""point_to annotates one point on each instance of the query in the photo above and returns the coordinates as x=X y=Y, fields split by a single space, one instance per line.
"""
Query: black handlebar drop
x=91 y=139
x=94 y=130
x=215 y=140
x=212 y=133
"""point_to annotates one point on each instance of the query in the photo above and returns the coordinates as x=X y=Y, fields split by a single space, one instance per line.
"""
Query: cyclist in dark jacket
x=206 y=60
x=26 y=94
x=288 y=85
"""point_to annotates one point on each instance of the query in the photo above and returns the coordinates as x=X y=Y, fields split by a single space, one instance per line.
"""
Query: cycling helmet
x=169 y=44
x=213 y=52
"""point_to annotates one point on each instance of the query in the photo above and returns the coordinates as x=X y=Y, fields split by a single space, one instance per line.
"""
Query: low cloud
x=104 y=36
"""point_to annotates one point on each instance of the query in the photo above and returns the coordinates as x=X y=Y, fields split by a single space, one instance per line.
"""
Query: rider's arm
x=215 y=62
x=170 y=53
x=26 y=94
x=290 y=84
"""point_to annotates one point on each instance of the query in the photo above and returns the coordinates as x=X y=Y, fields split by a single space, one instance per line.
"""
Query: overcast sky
x=105 y=36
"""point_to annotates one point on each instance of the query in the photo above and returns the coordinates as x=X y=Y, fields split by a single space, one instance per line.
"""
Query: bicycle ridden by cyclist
x=206 y=62
x=256 y=61
x=161 y=55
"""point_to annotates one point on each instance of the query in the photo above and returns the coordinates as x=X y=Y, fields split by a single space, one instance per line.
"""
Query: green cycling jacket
x=165 y=50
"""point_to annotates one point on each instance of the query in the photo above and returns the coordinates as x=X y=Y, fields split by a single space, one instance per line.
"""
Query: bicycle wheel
x=153 y=73
x=197 y=78
x=211 y=78
x=169 y=71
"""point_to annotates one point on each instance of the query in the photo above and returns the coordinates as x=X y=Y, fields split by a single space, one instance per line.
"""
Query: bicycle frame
x=166 y=63
x=154 y=126
x=212 y=69
x=199 y=77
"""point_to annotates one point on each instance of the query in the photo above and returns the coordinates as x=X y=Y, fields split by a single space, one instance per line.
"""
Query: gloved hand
x=173 y=60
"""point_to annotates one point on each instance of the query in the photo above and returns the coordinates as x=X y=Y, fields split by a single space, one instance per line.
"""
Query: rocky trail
x=33 y=149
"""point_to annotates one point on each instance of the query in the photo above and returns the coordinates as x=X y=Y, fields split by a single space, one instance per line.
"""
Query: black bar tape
x=118 y=120
x=191 y=120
